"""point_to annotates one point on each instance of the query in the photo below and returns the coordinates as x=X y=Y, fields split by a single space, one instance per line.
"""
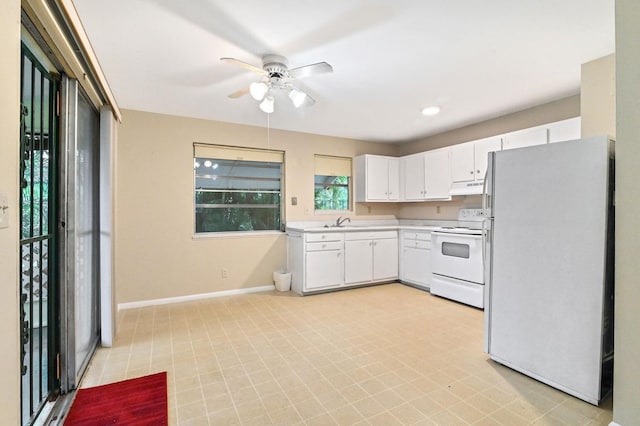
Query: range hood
x=466 y=188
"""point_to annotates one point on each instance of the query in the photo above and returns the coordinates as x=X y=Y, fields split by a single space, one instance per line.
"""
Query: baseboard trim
x=192 y=297
x=614 y=424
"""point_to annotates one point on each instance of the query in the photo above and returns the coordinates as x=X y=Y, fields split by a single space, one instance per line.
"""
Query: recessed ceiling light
x=432 y=110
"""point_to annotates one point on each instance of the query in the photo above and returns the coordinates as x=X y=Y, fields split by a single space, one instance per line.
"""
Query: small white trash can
x=282 y=280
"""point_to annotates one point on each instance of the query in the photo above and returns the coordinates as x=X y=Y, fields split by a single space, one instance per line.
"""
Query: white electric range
x=457 y=259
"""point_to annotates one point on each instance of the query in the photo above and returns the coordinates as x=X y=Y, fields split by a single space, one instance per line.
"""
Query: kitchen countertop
x=355 y=226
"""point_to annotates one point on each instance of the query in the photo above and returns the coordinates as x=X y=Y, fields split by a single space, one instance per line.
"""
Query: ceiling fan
x=276 y=76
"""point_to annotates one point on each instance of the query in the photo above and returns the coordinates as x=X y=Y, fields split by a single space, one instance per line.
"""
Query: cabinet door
x=565 y=130
x=416 y=263
x=437 y=173
x=413 y=169
x=325 y=269
x=482 y=149
x=527 y=137
x=385 y=259
x=393 y=182
x=377 y=178
x=358 y=265
x=462 y=162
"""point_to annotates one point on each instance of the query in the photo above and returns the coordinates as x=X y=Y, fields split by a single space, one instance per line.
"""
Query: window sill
x=238 y=234
x=331 y=212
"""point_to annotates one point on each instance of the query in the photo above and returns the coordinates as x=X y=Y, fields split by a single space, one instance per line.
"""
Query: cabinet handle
x=478 y=172
x=471 y=172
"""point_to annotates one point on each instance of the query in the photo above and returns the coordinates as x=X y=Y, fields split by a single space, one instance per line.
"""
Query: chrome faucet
x=340 y=221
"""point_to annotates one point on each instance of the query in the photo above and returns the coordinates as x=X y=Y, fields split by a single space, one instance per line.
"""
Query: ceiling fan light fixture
x=258 y=90
x=431 y=110
x=297 y=97
x=267 y=105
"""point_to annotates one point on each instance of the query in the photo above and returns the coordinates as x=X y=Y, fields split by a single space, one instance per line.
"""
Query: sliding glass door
x=80 y=256
x=59 y=229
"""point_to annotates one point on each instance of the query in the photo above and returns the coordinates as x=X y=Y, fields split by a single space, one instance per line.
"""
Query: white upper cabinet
x=427 y=176
x=565 y=130
x=413 y=177
x=463 y=162
x=482 y=149
x=394 y=179
x=455 y=170
x=526 y=137
x=469 y=164
x=437 y=174
x=377 y=178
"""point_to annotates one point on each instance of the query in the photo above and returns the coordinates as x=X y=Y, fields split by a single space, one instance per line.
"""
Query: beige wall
x=626 y=401
x=542 y=114
x=438 y=210
x=155 y=252
x=598 y=97
x=9 y=147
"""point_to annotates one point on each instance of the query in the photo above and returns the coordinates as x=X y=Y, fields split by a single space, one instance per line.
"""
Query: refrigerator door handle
x=484 y=242
x=484 y=193
x=487 y=209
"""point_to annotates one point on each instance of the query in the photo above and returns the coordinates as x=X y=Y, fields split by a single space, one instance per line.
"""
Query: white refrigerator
x=548 y=246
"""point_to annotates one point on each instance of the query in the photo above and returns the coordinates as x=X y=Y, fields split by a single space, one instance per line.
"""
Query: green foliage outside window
x=234 y=195
x=331 y=192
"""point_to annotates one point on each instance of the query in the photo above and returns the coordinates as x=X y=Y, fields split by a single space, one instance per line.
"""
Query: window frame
x=198 y=146
x=350 y=202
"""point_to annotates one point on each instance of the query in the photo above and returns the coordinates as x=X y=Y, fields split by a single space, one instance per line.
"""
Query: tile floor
x=383 y=355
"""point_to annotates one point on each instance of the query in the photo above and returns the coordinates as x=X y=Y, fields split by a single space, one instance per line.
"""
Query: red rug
x=141 y=401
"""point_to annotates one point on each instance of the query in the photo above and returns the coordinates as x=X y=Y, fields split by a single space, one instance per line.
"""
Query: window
x=237 y=189
x=332 y=187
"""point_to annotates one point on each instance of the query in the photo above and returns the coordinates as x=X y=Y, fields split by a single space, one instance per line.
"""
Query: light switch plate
x=4 y=210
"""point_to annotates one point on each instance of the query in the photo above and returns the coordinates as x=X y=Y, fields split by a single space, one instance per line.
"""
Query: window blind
x=326 y=165
x=221 y=152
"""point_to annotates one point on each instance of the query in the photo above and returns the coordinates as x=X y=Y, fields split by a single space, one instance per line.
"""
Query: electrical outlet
x=438 y=209
x=225 y=273
x=294 y=201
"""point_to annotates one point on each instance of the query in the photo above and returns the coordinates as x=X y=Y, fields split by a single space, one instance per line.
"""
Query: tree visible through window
x=237 y=195
x=332 y=189
x=331 y=192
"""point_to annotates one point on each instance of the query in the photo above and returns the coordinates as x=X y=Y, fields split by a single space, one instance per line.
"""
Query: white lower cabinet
x=324 y=269
x=370 y=256
x=315 y=260
x=358 y=266
x=415 y=256
x=334 y=260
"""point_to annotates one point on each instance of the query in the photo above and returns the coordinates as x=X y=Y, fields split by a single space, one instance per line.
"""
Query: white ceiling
x=475 y=59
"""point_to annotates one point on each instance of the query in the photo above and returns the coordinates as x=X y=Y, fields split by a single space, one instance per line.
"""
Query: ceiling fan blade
x=300 y=98
x=239 y=93
x=309 y=101
x=311 y=69
x=244 y=65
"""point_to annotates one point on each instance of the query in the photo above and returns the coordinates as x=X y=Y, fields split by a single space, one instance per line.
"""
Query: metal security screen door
x=39 y=289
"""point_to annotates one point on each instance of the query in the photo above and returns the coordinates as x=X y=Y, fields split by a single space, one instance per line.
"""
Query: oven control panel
x=471 y=215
